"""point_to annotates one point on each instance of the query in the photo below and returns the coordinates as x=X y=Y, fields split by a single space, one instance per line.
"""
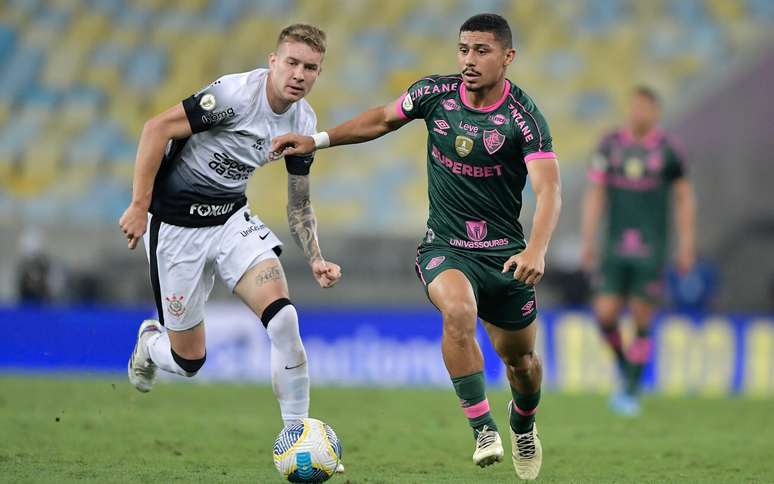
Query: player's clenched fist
x=292 y=144
x=529 y=266
x=326 y=273
x=133 y=224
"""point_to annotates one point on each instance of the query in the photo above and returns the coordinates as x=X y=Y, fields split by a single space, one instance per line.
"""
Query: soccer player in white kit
x=193 y=163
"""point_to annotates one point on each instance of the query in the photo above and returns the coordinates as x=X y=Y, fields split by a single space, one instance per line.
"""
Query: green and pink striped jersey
x=476 y=161
x=637 y=175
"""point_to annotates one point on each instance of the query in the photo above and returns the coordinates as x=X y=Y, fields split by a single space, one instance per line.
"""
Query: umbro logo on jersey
x=441 y=126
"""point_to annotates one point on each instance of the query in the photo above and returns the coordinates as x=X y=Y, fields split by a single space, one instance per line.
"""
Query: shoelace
x=525 y=443
x=485 y=438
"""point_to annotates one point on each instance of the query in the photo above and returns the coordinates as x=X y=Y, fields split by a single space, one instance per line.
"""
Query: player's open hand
x=326 y=273
x=529 y=266
x=133 y=224
x=291 y=144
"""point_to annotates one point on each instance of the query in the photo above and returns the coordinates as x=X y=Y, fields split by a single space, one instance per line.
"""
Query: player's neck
x=639 y=133
x=277 y=104
x=485 y=97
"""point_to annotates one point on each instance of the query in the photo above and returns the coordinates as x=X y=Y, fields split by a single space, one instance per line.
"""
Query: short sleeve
x=674 y=167
x=212 y=106
x=422 y=96
x=597 y=172
x=531 y=127
x=307 y=125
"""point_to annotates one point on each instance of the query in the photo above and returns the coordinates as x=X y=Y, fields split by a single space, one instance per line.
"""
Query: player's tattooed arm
x=301 y=219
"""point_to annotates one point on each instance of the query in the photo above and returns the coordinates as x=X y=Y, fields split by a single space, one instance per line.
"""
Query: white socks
x=289 y=370
x=160 y=352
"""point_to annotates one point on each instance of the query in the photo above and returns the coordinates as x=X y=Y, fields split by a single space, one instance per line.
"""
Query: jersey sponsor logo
x=450 y=105
x=498 y=119
x=215 y=118
x=528 y=308
x=229 y=168
x=208 y=102
x=482 y=244
x=476 y=230
x=210 y=210
x=434 y=89
x=518 y=118
x=493 y=140
x=441 y=126
x=463 y=145
x=252 y=229
x=465 y=169
x=175 y=305
x=634 y=168
x=469 y=129
x=408 y=104
x=435 y=262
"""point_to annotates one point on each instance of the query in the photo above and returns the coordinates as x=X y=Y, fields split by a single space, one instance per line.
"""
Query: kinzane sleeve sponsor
x=531 y=127
x=212 y=106
x=418 y=101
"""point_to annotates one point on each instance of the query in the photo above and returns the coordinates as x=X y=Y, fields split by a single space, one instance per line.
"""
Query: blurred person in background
x=485 y=135
x=637 y=176
x=193 y=163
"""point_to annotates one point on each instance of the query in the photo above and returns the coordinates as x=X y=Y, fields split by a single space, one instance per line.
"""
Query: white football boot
x=141 y=369
x=527 y=451
x=489 y=447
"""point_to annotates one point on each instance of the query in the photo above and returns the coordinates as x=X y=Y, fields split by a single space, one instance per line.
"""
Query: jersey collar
x=485 y=109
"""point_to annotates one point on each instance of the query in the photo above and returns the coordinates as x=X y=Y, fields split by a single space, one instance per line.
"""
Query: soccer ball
x=307 y=452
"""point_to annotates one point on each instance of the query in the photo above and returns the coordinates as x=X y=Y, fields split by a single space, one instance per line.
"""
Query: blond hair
x=308 y=34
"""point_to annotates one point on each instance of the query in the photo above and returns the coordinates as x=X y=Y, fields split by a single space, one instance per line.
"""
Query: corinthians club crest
x=476 y=230
x=175 y=305
x=493 y=140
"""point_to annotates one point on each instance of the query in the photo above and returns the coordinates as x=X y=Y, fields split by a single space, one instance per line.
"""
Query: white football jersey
x=202 y=179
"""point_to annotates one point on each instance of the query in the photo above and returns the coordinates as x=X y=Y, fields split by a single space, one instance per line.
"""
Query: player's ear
x=510 y=55
x=272 y=59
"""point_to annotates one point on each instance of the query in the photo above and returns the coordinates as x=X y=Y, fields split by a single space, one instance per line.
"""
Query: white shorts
x=183 y=261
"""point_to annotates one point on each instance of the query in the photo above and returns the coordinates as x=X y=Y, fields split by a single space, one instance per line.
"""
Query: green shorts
x=631 y=277
x=500 y=299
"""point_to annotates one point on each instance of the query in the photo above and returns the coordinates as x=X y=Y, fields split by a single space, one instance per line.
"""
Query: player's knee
x=522 y=365
x=459 y=313
x=281 y=321
x=190 y=366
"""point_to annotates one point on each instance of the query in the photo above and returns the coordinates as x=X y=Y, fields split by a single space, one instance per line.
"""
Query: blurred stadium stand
x=79 y=78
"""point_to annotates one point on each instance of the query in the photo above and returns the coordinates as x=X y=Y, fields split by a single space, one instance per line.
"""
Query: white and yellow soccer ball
x=307 y=452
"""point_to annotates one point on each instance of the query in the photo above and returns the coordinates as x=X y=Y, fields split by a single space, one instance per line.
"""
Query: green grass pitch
x=102 y=430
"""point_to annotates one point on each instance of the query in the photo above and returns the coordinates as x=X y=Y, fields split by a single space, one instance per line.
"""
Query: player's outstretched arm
x=530 y=263
x=156 y=133
x=593 y=204
x=366 y=126
x=685 y=220
x=303 y=228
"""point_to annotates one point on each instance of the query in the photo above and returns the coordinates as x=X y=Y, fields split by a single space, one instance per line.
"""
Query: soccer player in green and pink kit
x=485 y=136
x=635 y=174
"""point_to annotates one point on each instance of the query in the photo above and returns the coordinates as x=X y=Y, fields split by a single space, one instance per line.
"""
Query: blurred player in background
x=633 y=175
x=485 y=135
x=193 y=163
